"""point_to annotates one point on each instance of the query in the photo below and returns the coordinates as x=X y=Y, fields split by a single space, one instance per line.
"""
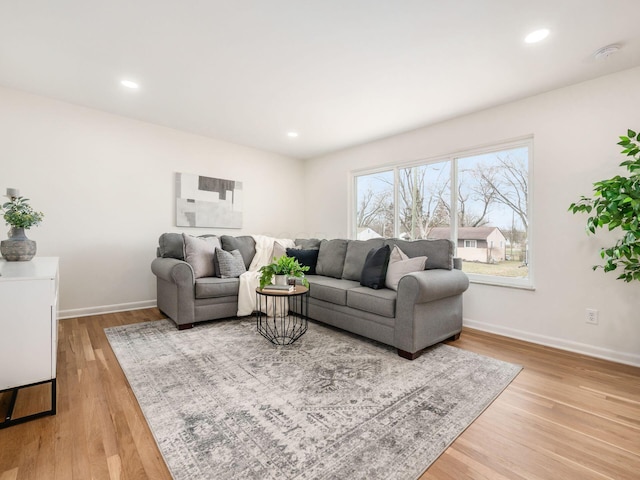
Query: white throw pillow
x=278 y=251
x=399 y=265
x=397 y=255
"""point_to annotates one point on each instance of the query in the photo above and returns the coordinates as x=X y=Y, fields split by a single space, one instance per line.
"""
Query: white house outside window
x=486 y=213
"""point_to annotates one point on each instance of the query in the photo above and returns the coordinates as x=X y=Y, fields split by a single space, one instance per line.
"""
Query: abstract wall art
x=208 y=202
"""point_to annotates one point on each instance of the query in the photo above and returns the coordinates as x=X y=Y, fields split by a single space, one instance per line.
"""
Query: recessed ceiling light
x=537 y=36
x=292 y=134
x=129 y=84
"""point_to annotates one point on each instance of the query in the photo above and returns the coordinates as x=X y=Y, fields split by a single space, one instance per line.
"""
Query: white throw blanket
x=249 y=280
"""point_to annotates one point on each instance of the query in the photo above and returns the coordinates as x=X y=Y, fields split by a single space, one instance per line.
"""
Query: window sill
x=518 y=283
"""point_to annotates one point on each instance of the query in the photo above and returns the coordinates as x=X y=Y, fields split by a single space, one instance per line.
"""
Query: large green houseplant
x=283 y=266
x=616 y=205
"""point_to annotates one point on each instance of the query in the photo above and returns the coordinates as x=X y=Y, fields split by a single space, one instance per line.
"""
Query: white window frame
x=471 y=244
x=524 y=283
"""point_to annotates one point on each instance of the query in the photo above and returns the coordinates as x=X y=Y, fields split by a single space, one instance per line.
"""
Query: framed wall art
x=208 y=201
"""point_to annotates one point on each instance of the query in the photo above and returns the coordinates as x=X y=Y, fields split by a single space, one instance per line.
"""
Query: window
x=374 y=212
x=485 y=213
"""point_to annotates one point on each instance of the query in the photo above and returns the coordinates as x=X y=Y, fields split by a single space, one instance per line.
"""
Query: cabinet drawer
x=26 y=327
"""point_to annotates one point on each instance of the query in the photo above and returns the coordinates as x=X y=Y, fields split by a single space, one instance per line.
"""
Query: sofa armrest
x=428 y=285
x=428 y=308
x=457 y=263
x=174 y=271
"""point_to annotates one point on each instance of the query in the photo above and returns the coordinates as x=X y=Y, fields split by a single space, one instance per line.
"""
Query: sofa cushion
x=331 y=257
x=307 y=243
x=333 y=290
x=439 y=253
x=231 y=263
x=381 y=302
x=171 y=245
x=199 y=253
x=245 y=244
x=374 y=271
x=357 y=251
x=306 y=258
x=213 y=287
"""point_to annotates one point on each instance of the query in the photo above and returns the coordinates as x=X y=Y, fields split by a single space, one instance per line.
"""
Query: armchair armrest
x=176 y=290
x=173 y=270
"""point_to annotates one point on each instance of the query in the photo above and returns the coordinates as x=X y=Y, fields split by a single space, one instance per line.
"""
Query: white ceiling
x=339 y=72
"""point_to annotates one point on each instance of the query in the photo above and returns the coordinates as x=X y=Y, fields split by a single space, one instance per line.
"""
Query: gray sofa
x=425 y=309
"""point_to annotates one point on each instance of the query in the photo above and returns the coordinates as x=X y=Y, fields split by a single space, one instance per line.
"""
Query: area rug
x=224 y=403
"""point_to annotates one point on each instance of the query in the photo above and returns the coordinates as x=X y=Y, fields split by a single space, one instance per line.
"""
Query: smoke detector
x=606 y=52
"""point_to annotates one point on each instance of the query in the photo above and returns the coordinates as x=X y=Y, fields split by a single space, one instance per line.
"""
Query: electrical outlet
x=592 y=316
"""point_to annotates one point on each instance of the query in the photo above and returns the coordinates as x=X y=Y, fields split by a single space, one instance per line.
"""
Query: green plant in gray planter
x=283 y=266
x=616 y=204
x=20 y=216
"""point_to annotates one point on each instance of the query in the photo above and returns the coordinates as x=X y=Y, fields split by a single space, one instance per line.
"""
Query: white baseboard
x=120 y=307
x=576 y=347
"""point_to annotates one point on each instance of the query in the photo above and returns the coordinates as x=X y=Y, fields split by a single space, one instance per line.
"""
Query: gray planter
x=18 y=248
x=279 y=279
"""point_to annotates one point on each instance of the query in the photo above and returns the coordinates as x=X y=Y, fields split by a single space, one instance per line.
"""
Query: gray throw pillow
x=244 y=243
x=231 y=264
x=199 y=253
x=331 y=258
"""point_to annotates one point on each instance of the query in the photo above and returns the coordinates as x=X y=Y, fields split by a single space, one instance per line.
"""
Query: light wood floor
x=566 y=416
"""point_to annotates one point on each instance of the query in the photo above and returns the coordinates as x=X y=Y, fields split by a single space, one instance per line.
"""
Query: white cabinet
x=28 y=323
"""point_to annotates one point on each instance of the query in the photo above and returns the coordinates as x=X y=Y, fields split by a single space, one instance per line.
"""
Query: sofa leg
x=453 y=338
x=185 y=326
x=409 y=355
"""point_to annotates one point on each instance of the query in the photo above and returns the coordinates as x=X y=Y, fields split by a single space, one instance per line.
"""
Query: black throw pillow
x=374 y=271
x=306 y=258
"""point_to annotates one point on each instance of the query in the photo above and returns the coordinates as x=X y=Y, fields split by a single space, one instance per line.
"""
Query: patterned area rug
x=224 y=403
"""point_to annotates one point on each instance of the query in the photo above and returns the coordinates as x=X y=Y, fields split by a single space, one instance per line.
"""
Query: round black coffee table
x=281 y=315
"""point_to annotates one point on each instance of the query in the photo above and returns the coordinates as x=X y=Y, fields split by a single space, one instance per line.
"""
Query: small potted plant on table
x=20 y=216
x=282 y=268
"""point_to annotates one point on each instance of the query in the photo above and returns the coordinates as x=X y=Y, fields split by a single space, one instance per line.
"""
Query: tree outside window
x=491 y=211
x=375 y=209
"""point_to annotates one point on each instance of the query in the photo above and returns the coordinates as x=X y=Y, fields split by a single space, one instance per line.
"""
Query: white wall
x=106 y=186
x=575 y=132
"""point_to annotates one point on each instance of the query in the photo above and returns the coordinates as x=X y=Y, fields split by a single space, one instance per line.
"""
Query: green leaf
x=631 y=133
